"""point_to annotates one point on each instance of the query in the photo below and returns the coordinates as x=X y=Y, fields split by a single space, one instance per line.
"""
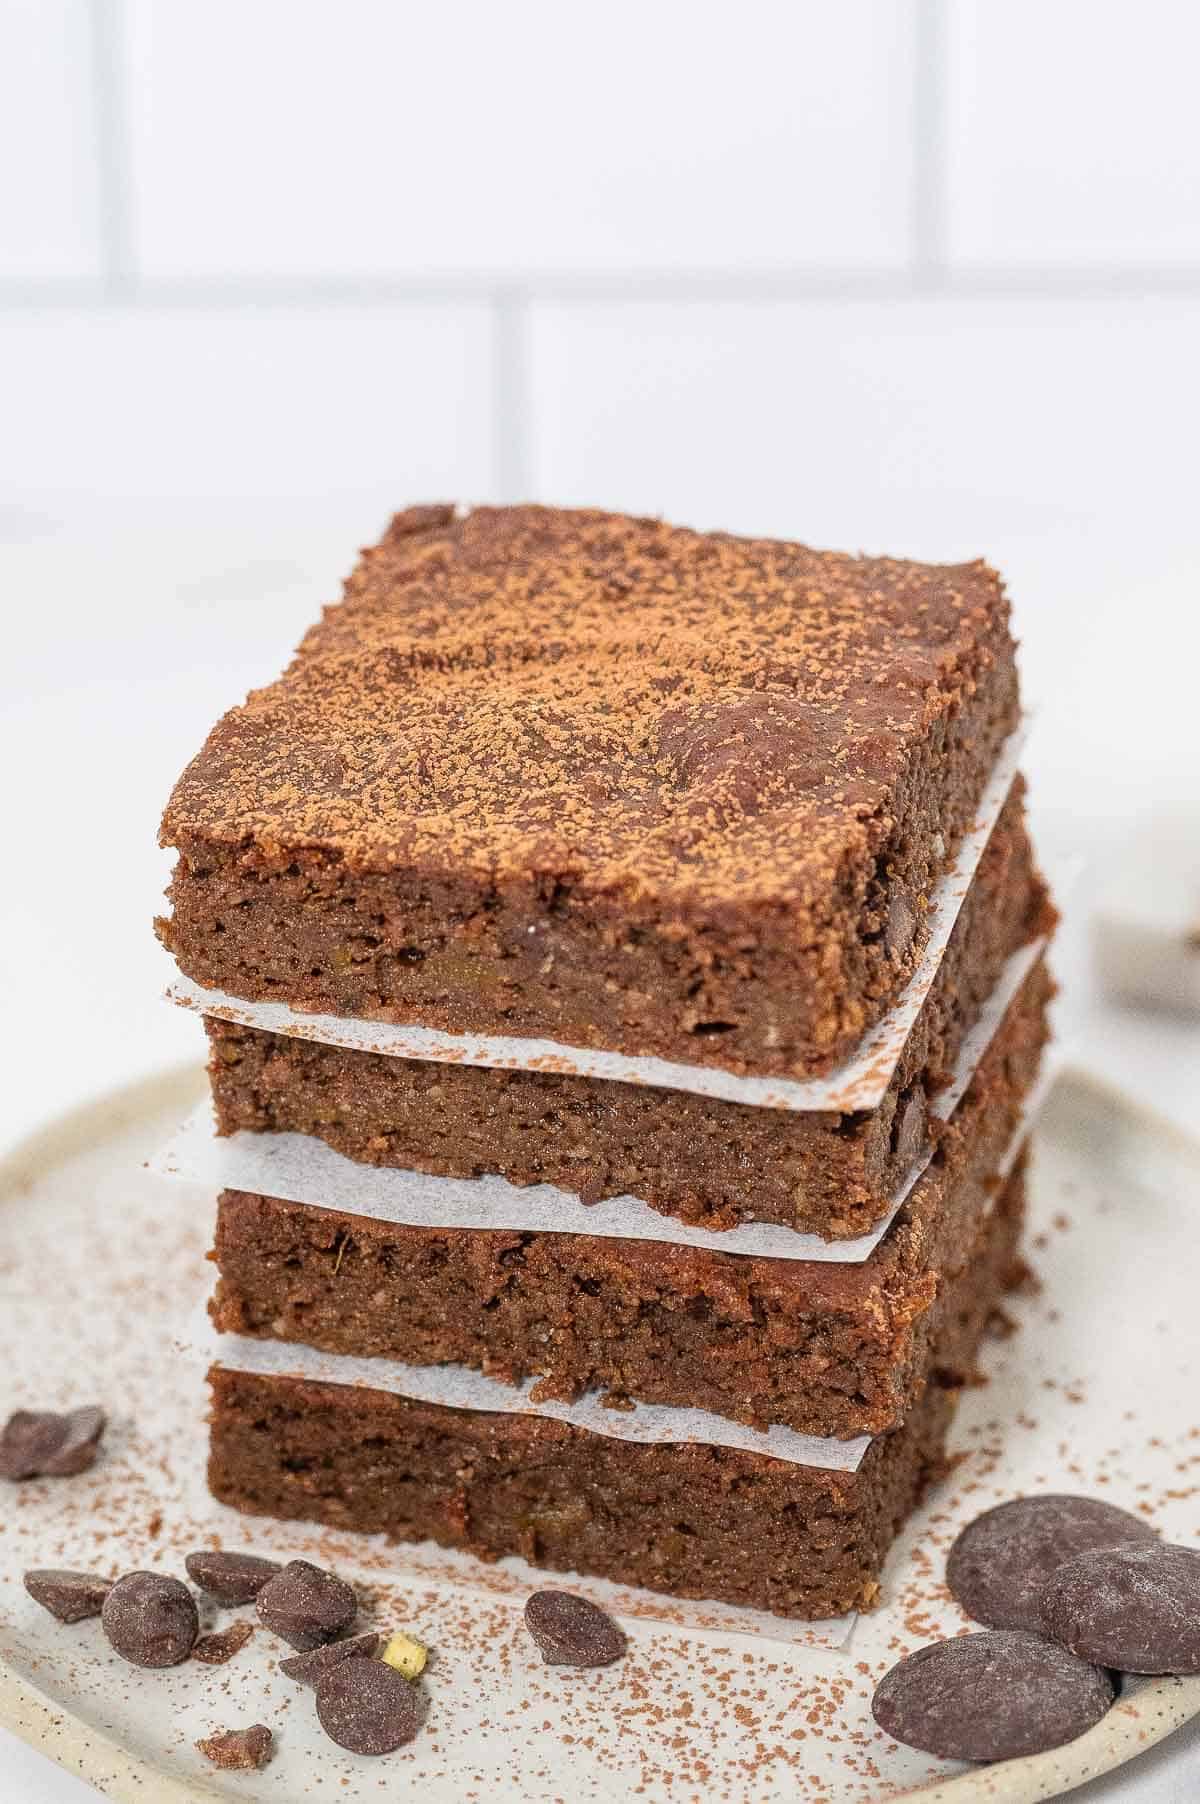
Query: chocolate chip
x=307 y=1669
x=151 y=1619
x=232 y=1578
x=367 y=1707
x=238 y=1750
x=991 y=1696
x=999 y=1565
x=306 y=1606
x=71 y=1596
x=42 y=1444
x=215 y=1649
x=1136 y=1609
x=572 y=1632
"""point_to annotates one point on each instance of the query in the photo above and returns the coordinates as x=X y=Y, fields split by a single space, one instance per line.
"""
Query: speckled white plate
x=1096 y=1392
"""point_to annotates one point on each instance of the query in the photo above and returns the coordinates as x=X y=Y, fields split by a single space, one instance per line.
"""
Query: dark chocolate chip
x=1136 y=1609
x=307 y=1669
x=42 y=1444
x=151 y=1619
x=238 y=1750
x=999 y=1565
x=572 y=1632
x=991 y=1696
x=222 y=1645
x=306 y=1606
x=71 y=1596
x=368 y=1707
x=232 y=1578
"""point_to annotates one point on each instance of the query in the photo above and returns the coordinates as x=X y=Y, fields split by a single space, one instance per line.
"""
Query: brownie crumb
x=220 y=1646
x=238 y=1750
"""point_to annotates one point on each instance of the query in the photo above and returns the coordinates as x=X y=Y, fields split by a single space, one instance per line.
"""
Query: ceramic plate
x=1094 y=1390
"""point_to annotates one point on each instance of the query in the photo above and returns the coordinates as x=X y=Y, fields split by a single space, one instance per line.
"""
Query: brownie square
x=602 y=780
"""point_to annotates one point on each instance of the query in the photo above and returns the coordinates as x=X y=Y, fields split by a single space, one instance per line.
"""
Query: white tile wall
x=1056 y=436
x=317 y=403
x=1074 y=133
x=923 y=425
x=844 y=271
x=516 y=138
x=49 y=221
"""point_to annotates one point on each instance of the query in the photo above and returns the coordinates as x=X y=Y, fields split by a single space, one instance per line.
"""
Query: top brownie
x=601 y=780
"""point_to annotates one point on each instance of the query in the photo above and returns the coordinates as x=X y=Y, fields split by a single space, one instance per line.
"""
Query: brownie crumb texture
x=223 y=1644
x=238 y=1750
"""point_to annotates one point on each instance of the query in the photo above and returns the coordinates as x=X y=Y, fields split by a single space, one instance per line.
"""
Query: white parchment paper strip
x=858 y=1083
x=458 y=1387
x=300 y=1169
x=461 y=1387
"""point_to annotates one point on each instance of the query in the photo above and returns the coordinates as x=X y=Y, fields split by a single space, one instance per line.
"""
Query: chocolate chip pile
x=367 y=1698
x=365 y=1688
x=1074 y=1592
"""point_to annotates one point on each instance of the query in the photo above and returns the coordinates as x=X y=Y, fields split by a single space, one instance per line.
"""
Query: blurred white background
x=919 y=276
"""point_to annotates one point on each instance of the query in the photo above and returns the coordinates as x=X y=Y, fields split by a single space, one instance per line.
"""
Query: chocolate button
x=991 y=1696
x=309 y=1669
x=570 y=1631
x=306 y=1606
x=232 y=1578
x=368 y=1707
x=43 y=1444
x=71 y=1596
x=1001 y=1563
x=1136 y=1609
x=151 y=1619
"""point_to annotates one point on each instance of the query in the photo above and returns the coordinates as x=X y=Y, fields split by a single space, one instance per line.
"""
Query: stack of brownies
x=587 y=853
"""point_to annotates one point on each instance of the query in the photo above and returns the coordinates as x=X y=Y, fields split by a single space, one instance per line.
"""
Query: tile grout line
x=513 y=295
x=930 y=259
x=112 y=151
x=512 y=398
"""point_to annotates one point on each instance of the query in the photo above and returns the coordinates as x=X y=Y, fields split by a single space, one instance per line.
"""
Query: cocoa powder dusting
x=614 y=702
